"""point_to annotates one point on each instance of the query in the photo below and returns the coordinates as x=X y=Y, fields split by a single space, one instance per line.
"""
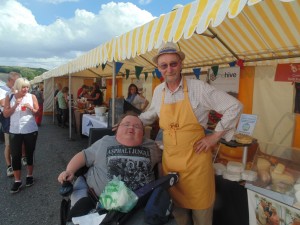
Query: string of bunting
x=157 y=73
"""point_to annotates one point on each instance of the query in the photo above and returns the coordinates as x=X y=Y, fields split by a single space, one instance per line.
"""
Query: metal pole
x=113 y=94
x=70 y=105
x=53 y=102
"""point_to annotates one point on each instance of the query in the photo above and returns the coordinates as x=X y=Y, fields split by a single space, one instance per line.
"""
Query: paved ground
x=39 y=204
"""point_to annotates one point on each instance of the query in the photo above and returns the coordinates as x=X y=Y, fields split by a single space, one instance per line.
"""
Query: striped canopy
x=209 y=32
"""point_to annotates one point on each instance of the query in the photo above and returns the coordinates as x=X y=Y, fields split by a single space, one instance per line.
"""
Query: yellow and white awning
x=210 y=32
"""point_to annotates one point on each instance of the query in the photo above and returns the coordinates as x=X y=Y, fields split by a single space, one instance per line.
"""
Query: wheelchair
x=112 y=217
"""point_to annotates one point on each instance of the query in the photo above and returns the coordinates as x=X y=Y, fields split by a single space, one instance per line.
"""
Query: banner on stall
x=264 y=210
x=226 y=79
x=289 y=72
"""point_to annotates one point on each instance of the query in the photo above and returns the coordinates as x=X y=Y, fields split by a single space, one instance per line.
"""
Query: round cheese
x=235 y=167
x=249 y=175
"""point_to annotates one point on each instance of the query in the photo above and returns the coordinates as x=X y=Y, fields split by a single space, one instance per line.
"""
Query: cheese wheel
x=235 y=167
x=233 y=176
x=249 y=175
x=243 y=138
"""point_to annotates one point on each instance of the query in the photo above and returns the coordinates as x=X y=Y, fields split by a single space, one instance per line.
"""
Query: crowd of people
x=93 y=95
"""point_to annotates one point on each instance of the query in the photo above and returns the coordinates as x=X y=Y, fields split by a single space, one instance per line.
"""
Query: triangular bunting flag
x=158 y=74
x=118 y=66
x=138 y=71
x=197 y=72
x=127 y=71
x=103 y=66
x=232 y=64
x=240 y=63
x=153 y=74
x=215 y=70
x=146 y=75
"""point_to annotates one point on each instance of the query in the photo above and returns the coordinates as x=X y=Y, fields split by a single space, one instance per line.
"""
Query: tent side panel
x=246 y=88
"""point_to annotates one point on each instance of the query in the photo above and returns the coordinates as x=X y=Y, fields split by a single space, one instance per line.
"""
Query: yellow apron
x=196 y=187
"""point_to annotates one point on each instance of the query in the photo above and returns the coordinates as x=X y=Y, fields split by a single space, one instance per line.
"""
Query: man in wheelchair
x=127 y=155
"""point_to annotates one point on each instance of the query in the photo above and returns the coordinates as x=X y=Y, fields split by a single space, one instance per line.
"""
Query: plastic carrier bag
x=116 y=196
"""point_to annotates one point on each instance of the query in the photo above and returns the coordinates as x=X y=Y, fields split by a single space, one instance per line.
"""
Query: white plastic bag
x=116 y=196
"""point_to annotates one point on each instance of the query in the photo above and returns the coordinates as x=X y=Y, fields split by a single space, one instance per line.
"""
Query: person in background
x=38 y=92
x=111 y=156
x=85 y=92
x=4 y=91
x=80 y=90
x=23 y=129
x=57 y=110
x=182 y=106
x=96 y=95
x=62 y=99
x=135 y=99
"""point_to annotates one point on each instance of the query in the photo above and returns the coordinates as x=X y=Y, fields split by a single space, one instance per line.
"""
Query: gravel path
x=39 y=204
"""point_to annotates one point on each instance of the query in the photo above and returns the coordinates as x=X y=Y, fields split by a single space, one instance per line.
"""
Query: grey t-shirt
x=134 y=165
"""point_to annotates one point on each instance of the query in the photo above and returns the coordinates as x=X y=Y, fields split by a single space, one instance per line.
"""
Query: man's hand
x=206 y=143
x=65 y=176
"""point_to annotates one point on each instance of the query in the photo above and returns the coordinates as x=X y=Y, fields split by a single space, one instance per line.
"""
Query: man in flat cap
x=182 y=106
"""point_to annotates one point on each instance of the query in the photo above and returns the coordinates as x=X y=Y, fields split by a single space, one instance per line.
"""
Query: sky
x=49 y=33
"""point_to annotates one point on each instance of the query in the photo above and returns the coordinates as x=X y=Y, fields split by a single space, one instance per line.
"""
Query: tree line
x=26 y=72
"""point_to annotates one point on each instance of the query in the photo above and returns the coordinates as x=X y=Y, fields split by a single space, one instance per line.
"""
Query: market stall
x=253 y=35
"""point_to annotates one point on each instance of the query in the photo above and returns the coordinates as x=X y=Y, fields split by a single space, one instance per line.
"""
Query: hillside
x=27 y=72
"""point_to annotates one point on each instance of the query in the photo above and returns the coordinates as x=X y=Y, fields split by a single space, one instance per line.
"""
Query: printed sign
x=247 y=124
x=226 y=79
x=289 y=72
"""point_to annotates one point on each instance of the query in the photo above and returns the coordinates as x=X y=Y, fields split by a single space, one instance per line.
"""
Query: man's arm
x=75 y=164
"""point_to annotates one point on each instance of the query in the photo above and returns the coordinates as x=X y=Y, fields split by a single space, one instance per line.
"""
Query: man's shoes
x=16 y=187
x=10 y=171
x=29 y=181
x=24 y=161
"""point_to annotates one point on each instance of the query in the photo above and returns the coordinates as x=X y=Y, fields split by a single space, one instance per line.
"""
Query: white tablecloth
x=91 y=121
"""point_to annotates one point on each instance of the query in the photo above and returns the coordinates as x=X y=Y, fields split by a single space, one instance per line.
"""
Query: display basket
x=278 y=172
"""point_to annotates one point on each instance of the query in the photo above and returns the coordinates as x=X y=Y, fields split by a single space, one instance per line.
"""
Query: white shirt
x=4 y=90
x=138 y=101
x=203 y=98
x=22 y=122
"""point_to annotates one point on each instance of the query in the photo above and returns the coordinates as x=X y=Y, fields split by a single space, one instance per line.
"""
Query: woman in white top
x=135 y=99
x=23 y=128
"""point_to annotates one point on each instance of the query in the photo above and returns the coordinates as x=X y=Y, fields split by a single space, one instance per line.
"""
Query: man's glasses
x=165 y=65
x=135 y=126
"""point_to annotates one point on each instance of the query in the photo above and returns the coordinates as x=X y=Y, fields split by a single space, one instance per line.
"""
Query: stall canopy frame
x=210 y=32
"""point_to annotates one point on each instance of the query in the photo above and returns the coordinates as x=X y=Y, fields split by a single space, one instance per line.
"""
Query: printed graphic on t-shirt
x=131 y=164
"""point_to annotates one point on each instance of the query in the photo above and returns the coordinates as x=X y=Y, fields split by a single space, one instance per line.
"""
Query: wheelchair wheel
x=65 y=206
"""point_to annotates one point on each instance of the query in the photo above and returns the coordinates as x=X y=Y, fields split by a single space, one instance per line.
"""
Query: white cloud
x=25 y=42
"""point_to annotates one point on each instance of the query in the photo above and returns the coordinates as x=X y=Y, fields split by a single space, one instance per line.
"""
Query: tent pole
x=113 y=94
x=53 y=105
x=223 y=43
x=70 y=105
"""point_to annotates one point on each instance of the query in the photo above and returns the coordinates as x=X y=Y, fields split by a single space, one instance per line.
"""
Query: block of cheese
x=263 y=164
x=285 y=178
x=279 y=168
